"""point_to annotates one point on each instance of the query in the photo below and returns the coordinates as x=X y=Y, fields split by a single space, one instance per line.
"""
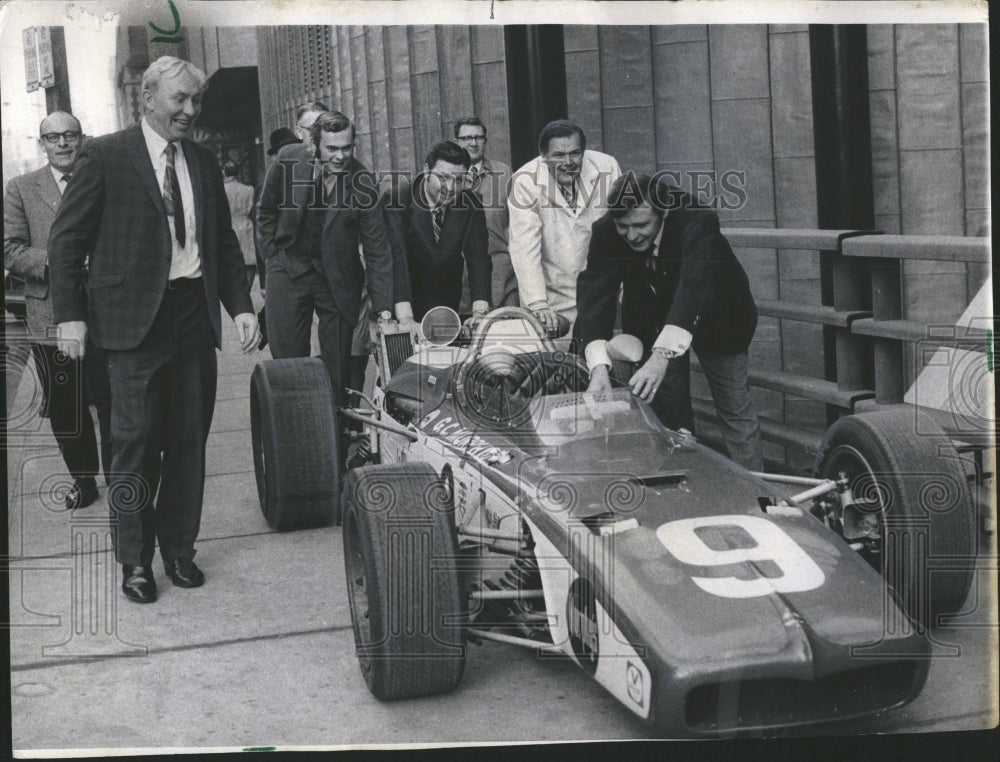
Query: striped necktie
x=437 y=220
x=172 y=195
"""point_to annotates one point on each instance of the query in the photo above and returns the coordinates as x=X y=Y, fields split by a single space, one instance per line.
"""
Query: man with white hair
x=147 y=205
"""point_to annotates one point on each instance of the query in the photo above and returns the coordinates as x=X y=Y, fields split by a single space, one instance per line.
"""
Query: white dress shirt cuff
x=404 y=311
x=480 y=305
x=674 y=339
x=597 y=354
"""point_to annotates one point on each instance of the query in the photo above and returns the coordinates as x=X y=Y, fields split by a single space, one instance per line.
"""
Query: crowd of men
x=129 y=242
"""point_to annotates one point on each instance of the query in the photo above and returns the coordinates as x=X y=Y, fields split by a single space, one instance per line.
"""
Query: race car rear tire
x=903 y=465
x=296 y=451
x=407 y=606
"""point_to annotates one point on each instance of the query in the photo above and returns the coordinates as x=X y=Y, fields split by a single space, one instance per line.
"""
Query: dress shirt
x=60 y=178
x=185 y=261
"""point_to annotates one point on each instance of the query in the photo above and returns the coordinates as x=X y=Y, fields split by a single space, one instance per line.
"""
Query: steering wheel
x=510 y=313
x=556 y=373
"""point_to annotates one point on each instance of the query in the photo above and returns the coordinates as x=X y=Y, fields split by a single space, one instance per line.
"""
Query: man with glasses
x=491 y=180
x=30 y=205
x=438 y=230
x=318 y=203
x=554 y=200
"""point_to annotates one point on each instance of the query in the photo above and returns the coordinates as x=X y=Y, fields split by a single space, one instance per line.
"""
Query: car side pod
x=908 y=510
x=408 y=610
x=296 y=450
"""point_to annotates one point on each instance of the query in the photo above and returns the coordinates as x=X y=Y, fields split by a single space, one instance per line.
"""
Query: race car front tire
x=405 y=594
x=904 y=469
x=296 y=451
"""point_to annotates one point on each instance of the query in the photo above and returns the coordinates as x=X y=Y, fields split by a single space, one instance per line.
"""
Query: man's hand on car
x=646 y=381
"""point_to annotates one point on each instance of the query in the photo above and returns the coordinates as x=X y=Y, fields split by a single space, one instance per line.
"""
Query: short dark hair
x=469 y=121
x=329 y=121
x=307 y=107
x=450 y=152
x=634 y=189
x=230 y=168
x=560 y=128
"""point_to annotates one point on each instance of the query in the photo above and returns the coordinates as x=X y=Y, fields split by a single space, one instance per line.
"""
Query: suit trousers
x=63 y=382
x=290 y=303
x=727 y=376
x=162 y=400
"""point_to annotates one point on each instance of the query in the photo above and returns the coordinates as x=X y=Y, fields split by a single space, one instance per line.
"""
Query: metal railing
x=866 y=336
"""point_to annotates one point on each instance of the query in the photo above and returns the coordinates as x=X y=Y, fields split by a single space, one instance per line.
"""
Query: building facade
x=699 y=101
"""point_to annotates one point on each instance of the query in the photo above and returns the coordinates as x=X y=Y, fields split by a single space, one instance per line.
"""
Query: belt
x=183 y=283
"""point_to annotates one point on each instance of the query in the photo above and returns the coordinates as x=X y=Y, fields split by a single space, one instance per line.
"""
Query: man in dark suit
x=683 y=288
x=438 y=228
x=149 y=208
x=30 y=205
x=317 y=204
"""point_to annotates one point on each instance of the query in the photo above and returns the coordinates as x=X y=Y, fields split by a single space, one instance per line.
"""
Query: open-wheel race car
x=493 y=498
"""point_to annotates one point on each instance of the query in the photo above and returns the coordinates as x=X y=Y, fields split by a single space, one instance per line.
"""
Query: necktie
x=66 y=177
x=651 y=263
x=172 y=195
x=569 y=194
x=437 y=220
x=476 y=179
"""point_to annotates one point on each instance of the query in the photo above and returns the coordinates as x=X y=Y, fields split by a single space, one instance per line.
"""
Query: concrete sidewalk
x=263 y=654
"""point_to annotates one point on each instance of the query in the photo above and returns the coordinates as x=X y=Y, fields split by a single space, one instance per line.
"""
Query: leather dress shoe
x=82 y=493
x=184 y=573
x=138 y=583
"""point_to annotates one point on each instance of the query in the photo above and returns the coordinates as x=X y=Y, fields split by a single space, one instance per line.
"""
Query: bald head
x=59 y=136
x=59 y=121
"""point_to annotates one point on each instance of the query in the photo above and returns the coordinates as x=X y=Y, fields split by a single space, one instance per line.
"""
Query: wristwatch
x=665 y=353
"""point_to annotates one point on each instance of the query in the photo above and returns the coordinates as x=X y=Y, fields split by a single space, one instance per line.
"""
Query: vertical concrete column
x=842 y=133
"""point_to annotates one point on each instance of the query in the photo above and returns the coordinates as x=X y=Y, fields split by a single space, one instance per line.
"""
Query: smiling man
x=30 y=205
x=554 y=200
x=148 y=208
x=490 y=178
x=438 y=230
x=682 y=289
x=318 y=203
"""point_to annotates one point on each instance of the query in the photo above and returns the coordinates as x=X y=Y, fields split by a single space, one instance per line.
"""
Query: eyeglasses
x=472 y=138
x=70 y=136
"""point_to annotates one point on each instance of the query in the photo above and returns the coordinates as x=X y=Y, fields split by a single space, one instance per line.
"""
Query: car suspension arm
x=371 y=420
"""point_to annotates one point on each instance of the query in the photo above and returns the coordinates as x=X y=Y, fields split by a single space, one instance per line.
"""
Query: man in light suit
x=148 y=207
x=554 y=200
x=318 y=203
x=30 y=204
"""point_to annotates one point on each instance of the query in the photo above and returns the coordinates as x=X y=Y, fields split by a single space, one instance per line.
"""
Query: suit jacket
x=113 y=210
x=29 y=208
x=493 y=190
x=288 y=190
x=699 y=285
x=431 y=271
